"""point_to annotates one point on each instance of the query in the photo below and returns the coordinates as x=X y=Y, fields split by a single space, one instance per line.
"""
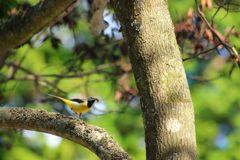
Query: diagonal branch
x=94 y=138
x=22 y=27
x=228 y=48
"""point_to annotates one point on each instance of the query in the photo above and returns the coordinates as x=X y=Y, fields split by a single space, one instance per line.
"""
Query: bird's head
x=91 y=100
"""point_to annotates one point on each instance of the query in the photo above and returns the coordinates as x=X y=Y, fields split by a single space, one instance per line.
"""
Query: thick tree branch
x=94 y=138
x=22 y=27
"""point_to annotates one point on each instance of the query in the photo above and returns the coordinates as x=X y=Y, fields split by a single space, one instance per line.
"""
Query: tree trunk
x=167 y=108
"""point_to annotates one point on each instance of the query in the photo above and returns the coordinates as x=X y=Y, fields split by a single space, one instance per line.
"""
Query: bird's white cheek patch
x=173 y=125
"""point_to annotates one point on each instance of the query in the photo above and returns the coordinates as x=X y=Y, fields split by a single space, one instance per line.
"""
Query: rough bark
x=167 y=108
x=22 y=27
x=94 y=138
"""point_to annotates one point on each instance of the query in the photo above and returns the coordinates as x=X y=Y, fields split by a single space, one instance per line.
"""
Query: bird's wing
x=77 y=100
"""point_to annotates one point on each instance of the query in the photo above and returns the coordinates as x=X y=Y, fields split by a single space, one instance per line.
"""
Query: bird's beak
x=96 y=99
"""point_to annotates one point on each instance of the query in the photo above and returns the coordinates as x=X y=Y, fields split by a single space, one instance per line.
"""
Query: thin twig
x=212 y=30
x=196 y=55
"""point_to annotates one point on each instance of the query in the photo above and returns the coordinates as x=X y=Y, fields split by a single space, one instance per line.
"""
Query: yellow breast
x=78 y=107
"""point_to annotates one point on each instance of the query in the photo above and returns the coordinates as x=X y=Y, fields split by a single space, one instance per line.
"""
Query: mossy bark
x=94 y=138
x=166 y=103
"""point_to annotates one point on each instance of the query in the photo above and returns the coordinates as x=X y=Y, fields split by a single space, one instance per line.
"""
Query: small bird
x=78 y=105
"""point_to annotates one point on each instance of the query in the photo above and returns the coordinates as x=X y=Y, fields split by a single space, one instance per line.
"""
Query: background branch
x=22 y=27
x=212 y=30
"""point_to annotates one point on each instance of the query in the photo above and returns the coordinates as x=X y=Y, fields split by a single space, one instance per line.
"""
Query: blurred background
x=82 y=54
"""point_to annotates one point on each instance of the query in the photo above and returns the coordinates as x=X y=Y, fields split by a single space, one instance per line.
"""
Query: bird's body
x=78 y=105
